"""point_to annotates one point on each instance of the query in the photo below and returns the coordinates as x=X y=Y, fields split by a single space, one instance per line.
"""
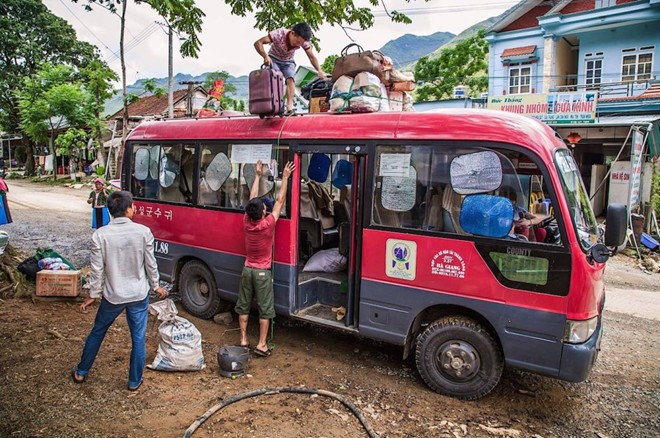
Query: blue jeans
x=136 y=316
x=288 y=68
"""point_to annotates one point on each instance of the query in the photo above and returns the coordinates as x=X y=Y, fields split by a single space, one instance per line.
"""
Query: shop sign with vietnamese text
x=635 y=166
x=554 y=108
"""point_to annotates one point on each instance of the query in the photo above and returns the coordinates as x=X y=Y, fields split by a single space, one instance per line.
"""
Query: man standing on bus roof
x=256 y=277
x=284 y=43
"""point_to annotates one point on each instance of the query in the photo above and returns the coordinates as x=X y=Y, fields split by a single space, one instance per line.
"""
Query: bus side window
x=395 y=189
x=175 y=174
x=146 y=159
x=215 y=171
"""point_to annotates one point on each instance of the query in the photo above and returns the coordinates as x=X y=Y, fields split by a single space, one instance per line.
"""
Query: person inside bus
x=256 y=277
x=521 y=218
x=284 y=43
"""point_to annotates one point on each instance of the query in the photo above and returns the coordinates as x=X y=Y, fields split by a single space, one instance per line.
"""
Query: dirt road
x=41 y=341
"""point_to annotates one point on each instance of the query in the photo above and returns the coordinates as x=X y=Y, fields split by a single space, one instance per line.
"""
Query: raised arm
x=254 y=191
x=281 y=196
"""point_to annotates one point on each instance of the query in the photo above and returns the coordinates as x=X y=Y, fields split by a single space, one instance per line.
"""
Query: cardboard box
x=395 y=100
x=58 y=283
x=319 y=105
x=402 y=86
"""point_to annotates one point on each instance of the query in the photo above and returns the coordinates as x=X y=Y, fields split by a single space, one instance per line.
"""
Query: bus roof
x=451 y=124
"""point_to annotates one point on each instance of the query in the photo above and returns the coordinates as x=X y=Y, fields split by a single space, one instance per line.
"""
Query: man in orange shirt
x=256 y=276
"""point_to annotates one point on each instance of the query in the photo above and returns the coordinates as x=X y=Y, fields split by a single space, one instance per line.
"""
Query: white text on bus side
x=518 y=251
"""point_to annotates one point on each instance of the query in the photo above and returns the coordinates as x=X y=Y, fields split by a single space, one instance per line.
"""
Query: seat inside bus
x=324 y=210
x=433 y=216
x=317 y=218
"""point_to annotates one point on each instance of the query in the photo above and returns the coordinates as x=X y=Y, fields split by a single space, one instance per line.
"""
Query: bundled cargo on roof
x=367 y=81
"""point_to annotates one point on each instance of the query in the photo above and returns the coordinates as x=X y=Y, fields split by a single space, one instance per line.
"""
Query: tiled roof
x=150 y=105
x=518 y=51
x=529 y=19
x=653 y=92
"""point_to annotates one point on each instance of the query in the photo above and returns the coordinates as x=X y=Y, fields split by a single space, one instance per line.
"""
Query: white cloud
x=227 y=41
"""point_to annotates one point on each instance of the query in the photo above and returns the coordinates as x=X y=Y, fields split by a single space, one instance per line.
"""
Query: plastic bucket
x=233 y=360
x=649 y=242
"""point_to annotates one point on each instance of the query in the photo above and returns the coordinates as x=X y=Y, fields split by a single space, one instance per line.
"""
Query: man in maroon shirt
x=256 y=277
x=283 y=45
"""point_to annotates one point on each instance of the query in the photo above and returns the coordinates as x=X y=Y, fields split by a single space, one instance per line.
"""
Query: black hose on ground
x=272 y=391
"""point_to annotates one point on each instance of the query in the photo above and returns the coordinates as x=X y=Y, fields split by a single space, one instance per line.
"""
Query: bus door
x=332 y=185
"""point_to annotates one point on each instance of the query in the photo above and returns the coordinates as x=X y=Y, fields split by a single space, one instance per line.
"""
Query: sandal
x=291 y=112
x=77 y=378
x=262 y=353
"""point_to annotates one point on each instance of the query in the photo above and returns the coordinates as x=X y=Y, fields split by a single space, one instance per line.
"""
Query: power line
x=137 y=40
x=448 y=9
x=85 y=26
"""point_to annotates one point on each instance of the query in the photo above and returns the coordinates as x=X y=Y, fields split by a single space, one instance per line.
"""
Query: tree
x=71 y=142
x=464 y=64
x=31 y=35
x=49 y=101
x=182 y=17
x=150 y=87
x=329 y=63
x=286 y=13
x=98 y=78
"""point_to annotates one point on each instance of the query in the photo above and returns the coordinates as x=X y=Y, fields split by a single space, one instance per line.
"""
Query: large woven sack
x=350 y=64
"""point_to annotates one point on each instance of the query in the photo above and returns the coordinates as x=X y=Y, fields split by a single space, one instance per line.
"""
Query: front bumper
x=577 y=360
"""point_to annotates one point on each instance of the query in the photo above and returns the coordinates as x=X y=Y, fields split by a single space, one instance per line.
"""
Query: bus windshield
x=582 y=216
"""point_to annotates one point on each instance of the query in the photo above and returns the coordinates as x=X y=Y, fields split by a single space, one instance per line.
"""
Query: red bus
x=466 y=237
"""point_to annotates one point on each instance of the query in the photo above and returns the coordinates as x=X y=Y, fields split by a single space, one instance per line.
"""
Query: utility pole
x=170 y=79
x=189 y=96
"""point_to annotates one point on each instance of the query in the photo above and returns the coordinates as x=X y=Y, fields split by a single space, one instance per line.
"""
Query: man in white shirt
x=123 y=268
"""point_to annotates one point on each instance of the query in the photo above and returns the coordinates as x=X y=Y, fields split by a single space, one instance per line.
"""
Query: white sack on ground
x=180 y=347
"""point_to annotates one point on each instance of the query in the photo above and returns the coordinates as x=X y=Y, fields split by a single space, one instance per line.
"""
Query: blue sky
x=227 y=40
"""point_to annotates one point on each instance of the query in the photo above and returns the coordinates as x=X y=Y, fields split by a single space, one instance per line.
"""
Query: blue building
x=589 y=68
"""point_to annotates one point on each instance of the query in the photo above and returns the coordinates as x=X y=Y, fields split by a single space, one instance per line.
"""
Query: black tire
x=458 y=357
x=198 y=291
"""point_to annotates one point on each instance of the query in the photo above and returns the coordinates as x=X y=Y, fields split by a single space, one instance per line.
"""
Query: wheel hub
x=458 y=360
x=203 y=287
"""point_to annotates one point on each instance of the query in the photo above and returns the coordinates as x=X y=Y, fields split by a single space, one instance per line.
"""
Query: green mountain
x=409 y=48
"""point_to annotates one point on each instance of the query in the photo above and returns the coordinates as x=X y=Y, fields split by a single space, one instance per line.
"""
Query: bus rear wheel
x=456 y=356
x=198 y=291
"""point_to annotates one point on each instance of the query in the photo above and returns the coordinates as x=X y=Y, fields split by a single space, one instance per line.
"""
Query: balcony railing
x=604 y=89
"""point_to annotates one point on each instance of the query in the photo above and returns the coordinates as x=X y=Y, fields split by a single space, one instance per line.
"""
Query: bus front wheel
x=456 y=356
x=198 y=291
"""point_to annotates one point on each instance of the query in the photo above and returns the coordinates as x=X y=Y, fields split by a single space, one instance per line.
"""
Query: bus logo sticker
x=448 y=263
x=400 y=260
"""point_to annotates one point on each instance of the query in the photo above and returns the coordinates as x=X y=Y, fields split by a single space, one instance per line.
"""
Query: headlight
x=577 y=332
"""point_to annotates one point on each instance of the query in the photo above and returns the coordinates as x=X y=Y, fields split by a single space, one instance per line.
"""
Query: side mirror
x=600 y=253
x=615 y=225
